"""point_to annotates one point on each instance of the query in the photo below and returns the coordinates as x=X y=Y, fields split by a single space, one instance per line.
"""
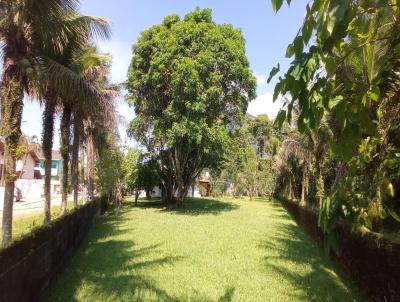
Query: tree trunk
x=148 y=195
x=75 y=162
x=167 y=183
x=65 y=128
x=303 y=188
x=11 y=130
x=320 y=186
x=182 y=193
x=83 y=173
x=137 y=192
x=179 y=199
x=90 y=163
x=47 y=146
x=290 y=189
x=170 y=198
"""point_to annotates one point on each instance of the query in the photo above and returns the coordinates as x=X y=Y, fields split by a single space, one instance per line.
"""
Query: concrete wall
x=27 y=165
x=29 y=266
x=157 y=192
x=31 y=189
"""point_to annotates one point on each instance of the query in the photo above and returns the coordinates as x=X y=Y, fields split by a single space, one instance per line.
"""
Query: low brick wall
x=30 y=265
x=373 y=263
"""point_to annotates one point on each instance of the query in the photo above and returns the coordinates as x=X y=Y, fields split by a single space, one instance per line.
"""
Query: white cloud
x=261 y=79
x=121 y=58
x=263 y=104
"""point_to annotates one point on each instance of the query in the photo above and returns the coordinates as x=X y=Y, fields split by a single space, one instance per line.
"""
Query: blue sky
x=267 y=34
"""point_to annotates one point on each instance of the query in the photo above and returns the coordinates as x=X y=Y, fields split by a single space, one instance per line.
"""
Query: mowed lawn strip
x=210 y=250
x=23 y=226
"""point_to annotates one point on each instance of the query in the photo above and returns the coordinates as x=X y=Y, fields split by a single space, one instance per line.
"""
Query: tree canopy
x=188 y=80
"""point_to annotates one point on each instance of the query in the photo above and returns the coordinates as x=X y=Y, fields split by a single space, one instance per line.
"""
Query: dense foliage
x=109 y=169
x=188 y=80
x=139 y=173
x=342 y=94
x=248 y=168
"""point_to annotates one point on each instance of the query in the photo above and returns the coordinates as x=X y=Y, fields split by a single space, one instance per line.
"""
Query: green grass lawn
x=24 y=225
x=210 y=250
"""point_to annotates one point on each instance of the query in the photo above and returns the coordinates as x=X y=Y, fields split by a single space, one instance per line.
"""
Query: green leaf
x=298 y=45
x=394 y=215
x=273 y=72
x=374 y=93
x=301 y=125
x=307 y=30
x=280 y=118
x=316 y=5
x=277 y=90
x=276 y=4
x=330 y=64
x=289 y=51
x=334 y=102
x=390 y=189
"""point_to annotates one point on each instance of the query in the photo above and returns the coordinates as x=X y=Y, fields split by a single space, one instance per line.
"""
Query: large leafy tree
x=188 y=80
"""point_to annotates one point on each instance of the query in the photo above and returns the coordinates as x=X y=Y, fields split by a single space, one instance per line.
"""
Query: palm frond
x=294 y=148
x=66 y=82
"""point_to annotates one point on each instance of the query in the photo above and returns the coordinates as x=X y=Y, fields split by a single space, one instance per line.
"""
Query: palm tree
x=31 y=32
x=309 y=148
x=77 y=139
x=47 y=146
x=298 y=147
x=26 y=29
x=88 y=93
x=95 y=68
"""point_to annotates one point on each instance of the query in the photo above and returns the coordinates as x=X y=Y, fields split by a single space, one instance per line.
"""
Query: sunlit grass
x=24 y=225
x=211 y=250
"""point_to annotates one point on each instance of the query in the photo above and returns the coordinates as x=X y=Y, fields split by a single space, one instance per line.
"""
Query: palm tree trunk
x=90 y=163
x=83 y=173
x=47 y=145
x=303 y=188
x=320 y=190
x=75 y=161
x=11 y=130
x=320 y=183
x=64 y=150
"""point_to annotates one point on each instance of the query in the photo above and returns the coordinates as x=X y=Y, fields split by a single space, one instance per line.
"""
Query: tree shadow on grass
x=297 y=259
x=191 y=206
x=202 y=206
x=113 y=270
x=227 y=296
